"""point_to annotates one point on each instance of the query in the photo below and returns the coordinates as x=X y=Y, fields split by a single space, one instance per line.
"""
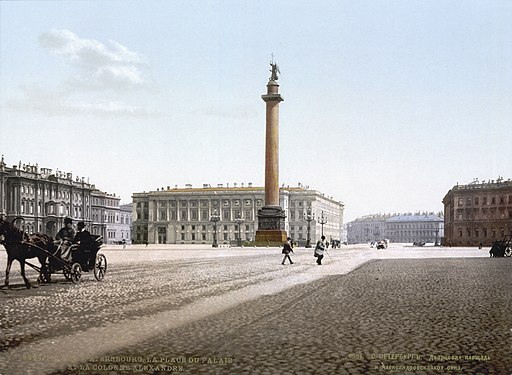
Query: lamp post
x=215 y=218
x=239 y=221
x=323 y=221
x=309 y=217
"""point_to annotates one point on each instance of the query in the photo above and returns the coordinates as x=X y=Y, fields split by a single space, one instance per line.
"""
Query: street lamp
x=323 y=221
x=239 y=221
x=215 y=218
x=309 y=217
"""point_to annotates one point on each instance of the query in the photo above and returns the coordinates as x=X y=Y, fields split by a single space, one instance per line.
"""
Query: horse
x=20 y=246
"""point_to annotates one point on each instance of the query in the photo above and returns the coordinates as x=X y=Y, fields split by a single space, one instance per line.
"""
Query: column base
x=270 y=238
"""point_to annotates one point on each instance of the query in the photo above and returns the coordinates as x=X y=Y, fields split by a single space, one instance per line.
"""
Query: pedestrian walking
x=319 y=250
x=287 y=249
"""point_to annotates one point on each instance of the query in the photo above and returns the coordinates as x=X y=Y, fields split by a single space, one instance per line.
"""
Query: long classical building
x=366 y=229
x=478 y=213
x=42 y=198
x=183 y=215
x=400 y=228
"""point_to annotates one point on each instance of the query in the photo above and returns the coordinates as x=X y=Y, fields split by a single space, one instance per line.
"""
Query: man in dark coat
x=287 y=249
x=83 y=236
x=86 y=245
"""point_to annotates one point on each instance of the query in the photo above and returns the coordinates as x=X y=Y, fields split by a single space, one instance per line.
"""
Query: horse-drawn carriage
x=84 y=258
x=21 y=246
x=502 y=248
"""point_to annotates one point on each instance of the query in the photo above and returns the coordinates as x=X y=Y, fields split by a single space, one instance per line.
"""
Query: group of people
x=320 y=248
x=66 y=238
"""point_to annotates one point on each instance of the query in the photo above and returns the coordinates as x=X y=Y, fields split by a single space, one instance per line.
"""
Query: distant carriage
x=502 y=248
x=20 y=246
x=382 y=244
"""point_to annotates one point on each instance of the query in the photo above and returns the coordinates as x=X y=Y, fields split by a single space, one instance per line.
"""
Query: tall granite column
x=271 y=218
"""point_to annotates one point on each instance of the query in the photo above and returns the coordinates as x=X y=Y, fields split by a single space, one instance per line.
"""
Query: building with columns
x=182 y=215
x=399 y=228
x=43 y=198
x=478 y=213
x=419 y=228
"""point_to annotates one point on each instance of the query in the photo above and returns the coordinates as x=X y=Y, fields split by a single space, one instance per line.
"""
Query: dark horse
x=21 y=246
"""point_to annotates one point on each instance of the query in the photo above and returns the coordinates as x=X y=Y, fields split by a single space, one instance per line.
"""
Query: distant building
x=42 y=198
x=366 y=229
x=182 y=216
x=110 y=219
x=478 y=213
x=423 y=228
x=401 y=228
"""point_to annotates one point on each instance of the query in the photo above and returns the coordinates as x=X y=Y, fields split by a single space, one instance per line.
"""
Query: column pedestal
x=271 y=226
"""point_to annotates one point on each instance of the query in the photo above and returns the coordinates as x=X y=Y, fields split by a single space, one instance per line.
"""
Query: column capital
x=272 y=97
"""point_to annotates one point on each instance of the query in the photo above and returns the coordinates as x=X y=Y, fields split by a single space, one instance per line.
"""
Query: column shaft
x=272 y=154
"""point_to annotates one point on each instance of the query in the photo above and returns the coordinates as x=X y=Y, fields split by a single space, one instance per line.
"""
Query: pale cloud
x=53 y=104
x=101 y=66
x=117 y=78
x=105 y=73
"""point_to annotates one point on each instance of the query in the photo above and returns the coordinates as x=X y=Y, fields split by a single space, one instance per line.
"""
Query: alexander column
x=271 y=218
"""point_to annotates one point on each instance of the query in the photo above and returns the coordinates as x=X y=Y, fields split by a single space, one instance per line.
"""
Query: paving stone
x=334 y=321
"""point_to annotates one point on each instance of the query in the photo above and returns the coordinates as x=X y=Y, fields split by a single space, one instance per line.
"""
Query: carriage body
x=502 y=248
x=84 y=258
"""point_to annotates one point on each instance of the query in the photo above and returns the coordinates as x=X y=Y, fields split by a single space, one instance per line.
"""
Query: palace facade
x=399 y=228
x=41 y=199
x=183 y=215
x=478 y=213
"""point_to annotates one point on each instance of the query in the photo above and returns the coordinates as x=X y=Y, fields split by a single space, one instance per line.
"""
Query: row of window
x=484 y=214
x=483 y=232
x=204 y=227
x=401 y=233
x=300 y=215
x=204 y=203
x=404 y=226
x=114 y=234
x=414 y=226
x=194 y=215
x=52 y=193
x=204 y=237
x=60 y=209
x=62 y=194
x=501 y=199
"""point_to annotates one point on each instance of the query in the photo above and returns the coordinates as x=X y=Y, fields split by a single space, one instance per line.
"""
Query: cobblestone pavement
x=240 y=311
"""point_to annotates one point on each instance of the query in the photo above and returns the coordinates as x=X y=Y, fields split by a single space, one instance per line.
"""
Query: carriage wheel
x=76 y=273
x=508 y=251
x=100 y=267
x=67 y=273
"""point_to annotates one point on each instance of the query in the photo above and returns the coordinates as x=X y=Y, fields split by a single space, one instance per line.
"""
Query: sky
x=387 y=104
